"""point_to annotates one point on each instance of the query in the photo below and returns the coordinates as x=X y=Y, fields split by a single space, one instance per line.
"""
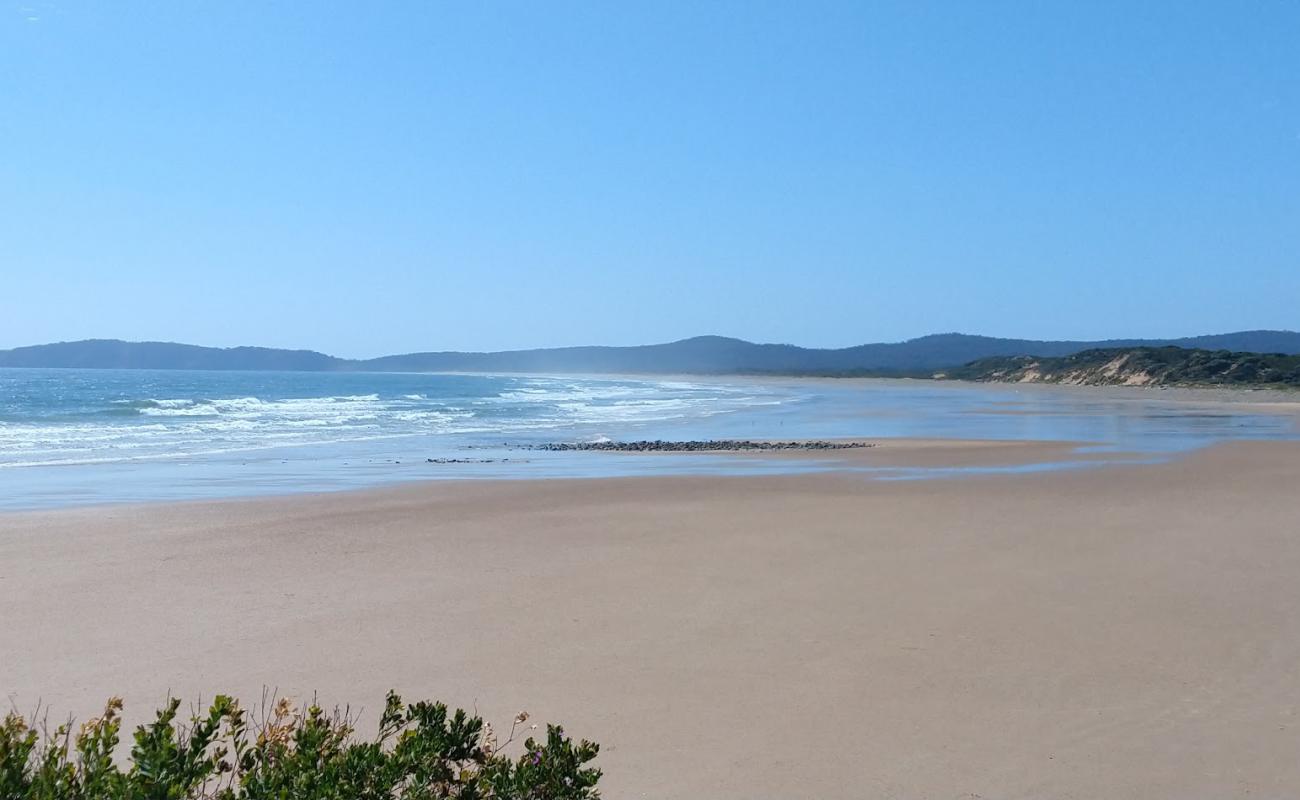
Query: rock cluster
x=711 y=445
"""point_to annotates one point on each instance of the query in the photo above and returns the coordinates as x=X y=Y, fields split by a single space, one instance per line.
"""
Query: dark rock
x=706 y=446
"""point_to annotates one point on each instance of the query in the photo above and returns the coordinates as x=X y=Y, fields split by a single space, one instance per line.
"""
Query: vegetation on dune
x=1143 y=366
x=420 y=752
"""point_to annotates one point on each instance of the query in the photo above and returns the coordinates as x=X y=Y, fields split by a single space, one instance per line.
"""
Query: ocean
x=71 y=437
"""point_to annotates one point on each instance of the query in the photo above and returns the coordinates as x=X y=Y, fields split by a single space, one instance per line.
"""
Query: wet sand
x=1122 y=632
x=943 y=454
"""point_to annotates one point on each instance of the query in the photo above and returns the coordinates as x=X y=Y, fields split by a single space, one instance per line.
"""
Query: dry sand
x=1117 y=632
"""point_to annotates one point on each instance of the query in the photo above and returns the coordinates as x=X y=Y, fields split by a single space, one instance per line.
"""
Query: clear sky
x=368 y=178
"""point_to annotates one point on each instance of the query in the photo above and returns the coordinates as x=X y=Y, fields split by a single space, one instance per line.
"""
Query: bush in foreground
x=420 y=752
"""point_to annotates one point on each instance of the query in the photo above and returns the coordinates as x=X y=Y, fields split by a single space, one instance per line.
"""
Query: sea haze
x=71 y=436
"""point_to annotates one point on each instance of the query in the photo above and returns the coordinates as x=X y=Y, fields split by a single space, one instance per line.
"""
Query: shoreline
x=996 y=635
x=1281 y=398
x=950 y=459
x=273 y=453
x=1287 y=400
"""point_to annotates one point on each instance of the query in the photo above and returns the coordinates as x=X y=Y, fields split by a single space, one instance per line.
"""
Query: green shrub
x=421 y=752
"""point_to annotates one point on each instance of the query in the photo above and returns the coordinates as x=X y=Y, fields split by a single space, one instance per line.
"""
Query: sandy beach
x=1125 y=631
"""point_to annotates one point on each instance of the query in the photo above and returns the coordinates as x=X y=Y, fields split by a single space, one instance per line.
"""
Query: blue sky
x=387 y=177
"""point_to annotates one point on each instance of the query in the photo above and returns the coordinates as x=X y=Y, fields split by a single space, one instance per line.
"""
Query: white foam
x=196 y=426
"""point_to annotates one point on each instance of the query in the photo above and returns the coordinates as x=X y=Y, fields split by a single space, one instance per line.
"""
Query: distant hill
x=116 y=354
x=1141 y=366
x=700 y=355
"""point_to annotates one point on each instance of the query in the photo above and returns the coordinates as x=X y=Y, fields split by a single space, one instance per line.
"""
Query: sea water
x=91 y=436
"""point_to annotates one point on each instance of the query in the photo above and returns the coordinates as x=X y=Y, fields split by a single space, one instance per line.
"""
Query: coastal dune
x=1118 y=631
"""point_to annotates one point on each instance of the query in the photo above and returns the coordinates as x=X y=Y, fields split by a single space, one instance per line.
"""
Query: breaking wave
x=93 y=426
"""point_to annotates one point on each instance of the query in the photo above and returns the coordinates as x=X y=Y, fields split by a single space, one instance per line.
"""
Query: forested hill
x=1141 y=366
x=700 y=355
